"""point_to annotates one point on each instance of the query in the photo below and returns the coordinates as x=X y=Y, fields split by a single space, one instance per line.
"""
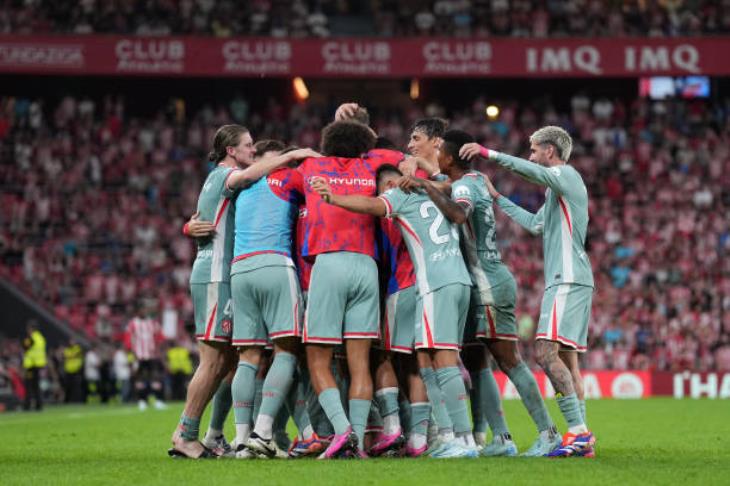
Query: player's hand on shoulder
x=470 y=151
x=200 y=229
x=408 y=166
x=410 y=184
x=321 y=187
x=490 y=187
x=346 y=111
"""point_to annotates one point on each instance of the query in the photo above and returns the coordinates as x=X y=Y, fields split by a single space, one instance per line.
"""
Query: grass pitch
x=657 y=441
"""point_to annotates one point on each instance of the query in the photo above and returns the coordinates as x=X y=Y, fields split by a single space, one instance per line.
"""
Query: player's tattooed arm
x=196 y=228
x=241 y=179
x=548 y=357
x=358 y=204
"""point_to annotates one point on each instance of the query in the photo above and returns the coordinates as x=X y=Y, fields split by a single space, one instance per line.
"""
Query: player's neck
x=228 y=162
x=555 y=162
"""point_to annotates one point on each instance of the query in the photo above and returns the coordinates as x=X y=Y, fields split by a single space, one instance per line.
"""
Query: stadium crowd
x=322 y=18
x=95 y=198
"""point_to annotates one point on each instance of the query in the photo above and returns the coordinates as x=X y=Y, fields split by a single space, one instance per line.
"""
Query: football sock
x=329 y=399
x=222 y=401
x=279 y=427
x=583 y=411
x=297 y=408
x=189 y=428
x=454 y=394
x=418 y=426
x=242 y=390
x=318 y=418
x=404 y=412
x=526 y=385
x=258 y=396
x=359 y=411
x=570 y=408
x=491 y=402
x=387 y=400
x=477 y=409
x=275 y=389
x=435 y=396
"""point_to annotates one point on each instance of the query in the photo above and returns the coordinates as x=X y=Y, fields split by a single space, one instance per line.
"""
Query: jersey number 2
x=433 y=230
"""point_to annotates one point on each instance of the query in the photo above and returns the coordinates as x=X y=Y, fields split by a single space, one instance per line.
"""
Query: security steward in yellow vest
x=73 y=377
x=180 y=367
x=34 y=360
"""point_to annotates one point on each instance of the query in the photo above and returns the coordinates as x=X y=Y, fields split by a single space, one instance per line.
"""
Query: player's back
x=330 y=228
x=433 y=241
x=212 y=263
x=266 y=213
x=479 y=232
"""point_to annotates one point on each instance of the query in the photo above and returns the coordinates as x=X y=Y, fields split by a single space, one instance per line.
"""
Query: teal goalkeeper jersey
x=562 y=220
x=479 y=237
x=213 y=261
x=432 y=241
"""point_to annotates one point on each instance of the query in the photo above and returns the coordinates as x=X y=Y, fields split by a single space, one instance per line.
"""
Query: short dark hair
x=453 y=141
x=263 y=146
x=385 y=143
x=385 y=170
x=347 y=139
x=226 y=136
x=432 y=127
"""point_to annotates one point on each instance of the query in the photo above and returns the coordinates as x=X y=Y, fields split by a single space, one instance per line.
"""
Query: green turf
x=656 y=441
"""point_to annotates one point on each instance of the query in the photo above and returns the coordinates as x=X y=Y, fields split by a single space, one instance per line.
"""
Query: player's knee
x=544 y=354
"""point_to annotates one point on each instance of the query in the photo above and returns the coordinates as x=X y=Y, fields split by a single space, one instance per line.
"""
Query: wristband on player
x=186 y=229
x=486 y=153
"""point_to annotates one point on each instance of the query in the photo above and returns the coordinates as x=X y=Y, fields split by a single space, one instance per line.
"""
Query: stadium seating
x=93 y=201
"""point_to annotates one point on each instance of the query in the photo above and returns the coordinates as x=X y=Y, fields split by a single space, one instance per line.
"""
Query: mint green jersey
x=479 y=237
x=562 y=220
x=213 y=261
x=432 y=241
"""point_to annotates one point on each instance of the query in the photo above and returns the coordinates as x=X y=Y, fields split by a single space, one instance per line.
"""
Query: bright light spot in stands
x=300 y=89
x=415 y=89
x=492 y=111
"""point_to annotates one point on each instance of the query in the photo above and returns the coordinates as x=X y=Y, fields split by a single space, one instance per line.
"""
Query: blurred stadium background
x=107 y=109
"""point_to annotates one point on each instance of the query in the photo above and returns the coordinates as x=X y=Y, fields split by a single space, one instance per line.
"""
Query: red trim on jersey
x=410 y=231
x=220 y=213
x=262 y=252
x=211 y=321
x=220 y=339
x=565 y=213
x=429 y=336
x=466 y=201
x=490 y=319
x=296 y=318
x=388 y=206
x=386 y=333
x=469 y=228
x=438 y=346
x=401 y=349
x=554 y=323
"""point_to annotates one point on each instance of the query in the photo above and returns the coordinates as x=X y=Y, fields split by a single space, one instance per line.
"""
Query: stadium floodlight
x=492 y=111
x=300 y=89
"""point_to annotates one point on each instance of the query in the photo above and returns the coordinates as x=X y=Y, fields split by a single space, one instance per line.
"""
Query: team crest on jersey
x=462 y=191
x=555 y=170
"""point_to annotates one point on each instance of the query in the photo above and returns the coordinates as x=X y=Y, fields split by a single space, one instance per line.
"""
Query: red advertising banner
x=362 y=57
x=635 y=384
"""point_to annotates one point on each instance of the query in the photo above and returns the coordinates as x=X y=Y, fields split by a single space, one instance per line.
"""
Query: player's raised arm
x=240 y=179
x=550 y=149
x=532 y=222
x=358 y=204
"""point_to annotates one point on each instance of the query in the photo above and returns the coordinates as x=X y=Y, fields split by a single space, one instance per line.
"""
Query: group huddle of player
x=360 y=291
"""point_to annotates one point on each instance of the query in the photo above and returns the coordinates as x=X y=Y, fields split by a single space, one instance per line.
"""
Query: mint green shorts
x=267 y=305
x=440 y=317
x=398 y=325
x=564 y=315
x=495 y=321
x=343 y=300
x=212 y=311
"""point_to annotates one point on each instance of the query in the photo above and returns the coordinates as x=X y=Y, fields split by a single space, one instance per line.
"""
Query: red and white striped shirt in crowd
x=143 y=335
